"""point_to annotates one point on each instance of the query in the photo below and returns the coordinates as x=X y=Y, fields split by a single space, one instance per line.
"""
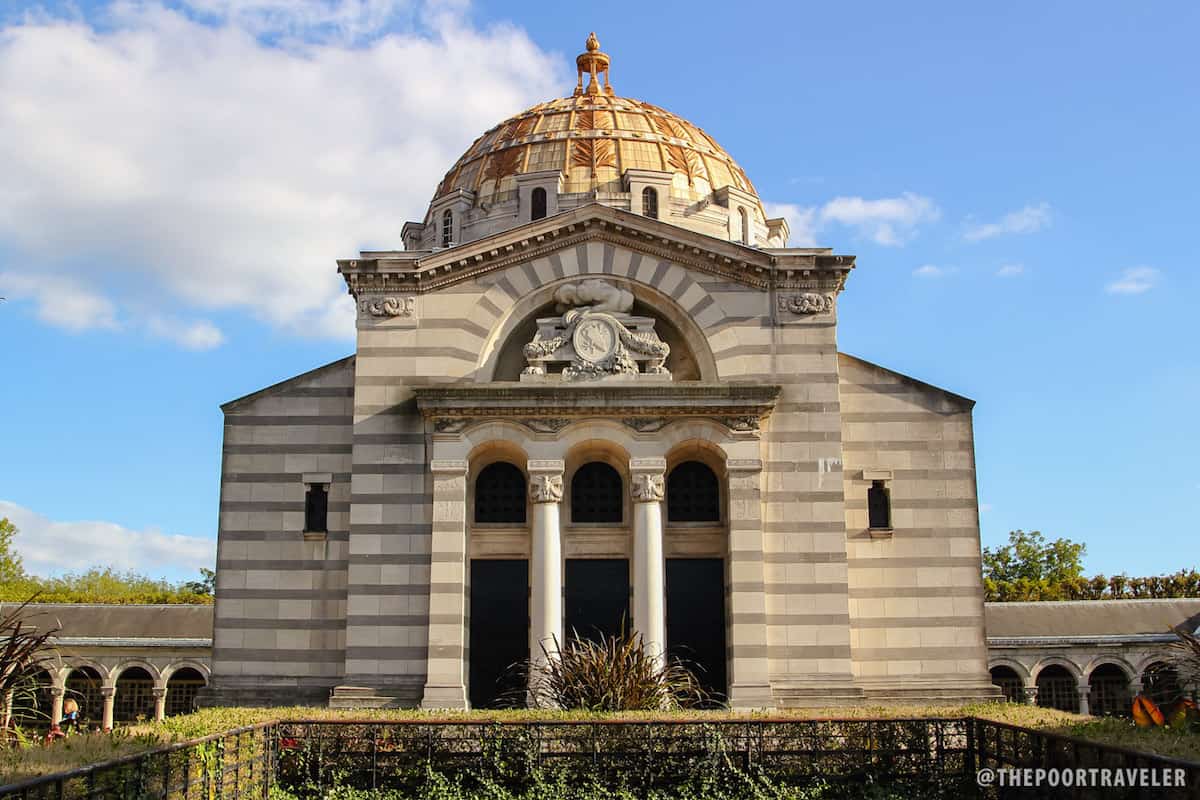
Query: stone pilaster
x=749 y=681
x=647 y=485
x=545 y=602
x=445 y=684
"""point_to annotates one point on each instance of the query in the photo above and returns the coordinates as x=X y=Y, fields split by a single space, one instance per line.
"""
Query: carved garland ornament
x=806 y=303
x=388 y=306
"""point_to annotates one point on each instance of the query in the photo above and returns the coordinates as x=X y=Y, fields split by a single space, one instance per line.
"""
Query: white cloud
x=1010 y=271
x=1134 y=280
x=1029 y=219
x=889 y=221
x=932 y=271
x=49 y=547
x=215 y=157
x=200 y=335
x=61 y=301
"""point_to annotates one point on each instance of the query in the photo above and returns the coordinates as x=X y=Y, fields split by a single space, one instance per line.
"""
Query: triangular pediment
x=421 y=272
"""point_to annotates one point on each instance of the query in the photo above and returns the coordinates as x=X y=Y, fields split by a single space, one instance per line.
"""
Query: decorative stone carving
x=648 y=487
x=388 y=306
x=743 y=424
x=595 y=337
x=546 y=424
x=546 y=487
x=450 y=424
x=806 y=303
x=600 y=295
x=644 y=424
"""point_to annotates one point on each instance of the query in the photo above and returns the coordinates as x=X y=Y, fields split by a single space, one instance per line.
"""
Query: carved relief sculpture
x=596 y=336
x=546 y=488
x=806 y=303
x=648 y=488
x=388 y=306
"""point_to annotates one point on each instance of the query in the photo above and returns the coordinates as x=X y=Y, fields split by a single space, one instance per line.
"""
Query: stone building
x=119 y=663
x=1087 y=656
x=596 y=388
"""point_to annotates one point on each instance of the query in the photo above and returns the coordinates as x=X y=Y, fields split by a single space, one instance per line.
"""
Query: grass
x=77 y=751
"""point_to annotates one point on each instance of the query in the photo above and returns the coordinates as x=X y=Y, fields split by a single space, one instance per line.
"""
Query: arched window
x=134 y=697
x=879 y=506
x=1057 y=688
x=537 y=204
x=447 y=228
x=1160 y=682
x=1109 y=692
x=1009 y=681
x=744 y=226
x=500 y=494
x=31 y=698
x=650 y=202
x=693 y=494
x=596 y=494
x=182 y=689
x=83 y=687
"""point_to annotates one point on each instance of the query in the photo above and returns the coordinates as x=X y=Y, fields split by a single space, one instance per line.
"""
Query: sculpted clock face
x=594 y=340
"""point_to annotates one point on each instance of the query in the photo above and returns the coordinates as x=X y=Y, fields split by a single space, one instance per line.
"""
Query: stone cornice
x=423 y=272
x=520 y=400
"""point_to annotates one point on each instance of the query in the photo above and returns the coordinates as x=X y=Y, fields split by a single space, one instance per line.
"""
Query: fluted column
x=106 y=717
x=445 y=680
x=545 y=602
x=647 y=486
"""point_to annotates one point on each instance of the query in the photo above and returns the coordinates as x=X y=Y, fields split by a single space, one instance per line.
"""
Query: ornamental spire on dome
x=593 y=62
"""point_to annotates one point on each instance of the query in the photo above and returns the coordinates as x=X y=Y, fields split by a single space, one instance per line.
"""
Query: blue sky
x=1018 y=182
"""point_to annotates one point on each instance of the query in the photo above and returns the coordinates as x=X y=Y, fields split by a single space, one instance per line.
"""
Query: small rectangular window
x=879 y=506
x=316 y=508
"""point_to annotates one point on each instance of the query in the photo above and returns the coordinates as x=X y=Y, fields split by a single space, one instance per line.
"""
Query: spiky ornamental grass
x=612 y=673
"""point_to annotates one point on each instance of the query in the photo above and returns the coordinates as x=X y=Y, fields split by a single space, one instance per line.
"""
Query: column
x=106 y=718
x=445 y=677
x=647 y=485
x=160 y=703
x=1029 y=693
x=56 y=704
x=545 y=565
x=749 y=666
x=1085 y=692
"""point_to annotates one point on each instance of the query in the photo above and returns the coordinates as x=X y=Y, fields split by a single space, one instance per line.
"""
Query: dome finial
x=593 y=62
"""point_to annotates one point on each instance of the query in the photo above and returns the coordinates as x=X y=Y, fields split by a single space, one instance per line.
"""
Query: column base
x=444 y=697
x=750 y=696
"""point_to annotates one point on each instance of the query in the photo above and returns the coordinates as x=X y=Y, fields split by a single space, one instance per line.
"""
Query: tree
x=12 y=569
x=1028 y=557
x=207 y=585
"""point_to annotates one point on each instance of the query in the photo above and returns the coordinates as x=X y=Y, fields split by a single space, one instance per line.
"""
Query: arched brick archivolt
x=513 y=298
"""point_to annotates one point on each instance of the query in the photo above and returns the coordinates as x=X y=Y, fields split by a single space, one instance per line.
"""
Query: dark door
x=597 y=600
x=696 y=618
x=499 y=627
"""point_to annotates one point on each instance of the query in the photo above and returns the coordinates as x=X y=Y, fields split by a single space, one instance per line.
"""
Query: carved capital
x=648 y=487
x=545 y=480
x=546 y=488
x=806 y=303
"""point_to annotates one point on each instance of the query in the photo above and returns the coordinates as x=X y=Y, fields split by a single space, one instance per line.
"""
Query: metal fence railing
x=308 y=757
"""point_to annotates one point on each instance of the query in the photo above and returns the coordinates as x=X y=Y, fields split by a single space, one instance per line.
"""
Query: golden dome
x=593 y=137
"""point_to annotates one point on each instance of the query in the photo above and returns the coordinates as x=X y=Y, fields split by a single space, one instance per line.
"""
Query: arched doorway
x=1010 y=683
x=185 y=683
x=31 y=699
x=1109 y=696
x=1160 y=682
x=1057 y=688
x=83 y=686
x=134 y=699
